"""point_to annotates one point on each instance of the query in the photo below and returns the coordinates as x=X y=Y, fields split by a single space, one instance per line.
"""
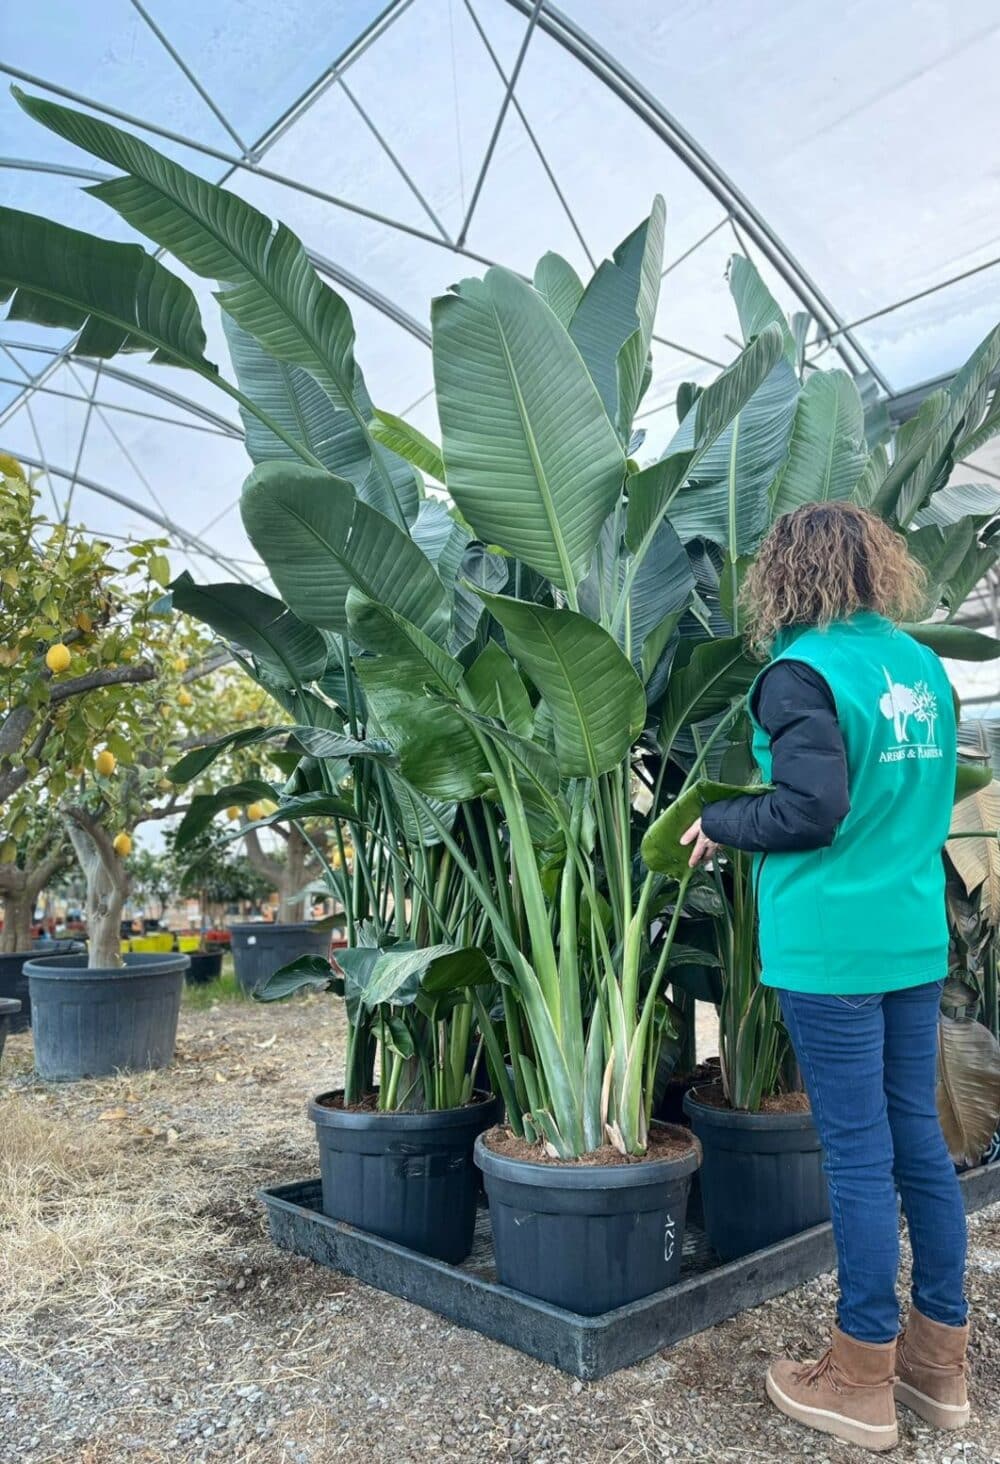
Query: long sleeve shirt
x=795 y=706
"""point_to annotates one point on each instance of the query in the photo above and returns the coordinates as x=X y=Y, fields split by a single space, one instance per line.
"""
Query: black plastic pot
x=91 y=1023
x=761 y=1178
x=14 y=980
x=408 y=1177
x=587 y=1238
x=259 y=949
x=204 y=966
x=9 y=1009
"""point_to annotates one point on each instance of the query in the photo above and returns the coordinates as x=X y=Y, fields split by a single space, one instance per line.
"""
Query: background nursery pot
x=260 y=949
x=408 y=1177
x=9 y=1009
x=204 y=966
x=14 y=978
x=761 y=1177
x=88 y=1023
x=588 y=1238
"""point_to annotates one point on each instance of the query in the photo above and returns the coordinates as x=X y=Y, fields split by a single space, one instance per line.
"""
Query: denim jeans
x=869 y=1064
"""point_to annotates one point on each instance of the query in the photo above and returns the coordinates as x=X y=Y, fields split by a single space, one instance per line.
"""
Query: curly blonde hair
x=822 y=562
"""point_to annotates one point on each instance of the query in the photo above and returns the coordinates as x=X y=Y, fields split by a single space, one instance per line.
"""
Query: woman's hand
x=704 y=849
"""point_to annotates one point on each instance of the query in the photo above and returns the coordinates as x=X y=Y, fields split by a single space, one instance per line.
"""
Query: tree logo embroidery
x=905 y=706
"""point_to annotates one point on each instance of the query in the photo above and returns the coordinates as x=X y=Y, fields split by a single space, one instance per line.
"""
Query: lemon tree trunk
x=107 y=886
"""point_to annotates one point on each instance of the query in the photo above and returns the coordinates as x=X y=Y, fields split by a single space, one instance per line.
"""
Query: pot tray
x=588 y=1347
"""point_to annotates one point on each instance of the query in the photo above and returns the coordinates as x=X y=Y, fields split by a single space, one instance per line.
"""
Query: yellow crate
x=188 y=942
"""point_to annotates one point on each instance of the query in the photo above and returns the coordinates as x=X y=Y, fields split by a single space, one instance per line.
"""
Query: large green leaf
x=662 y=849
x=531 y=458
x=307 y=972
x=596 y=699
x=289 y=651
x=398 y=977
x=653 y=490
x=717 y=672
x=441 y=539
x=271 y=288
x=496 y=690
x=979 y=501
x=205 y=806
x=613 y=323
x=559 y=284
x=659 y=590
x=319 y=541
x=317 y=742
x=756 y=306
x=977 y=434
x=827 y=451
x=294 y=400
x=968 y=1087
x=955 y=642
x=409 y=443
x=115 y=295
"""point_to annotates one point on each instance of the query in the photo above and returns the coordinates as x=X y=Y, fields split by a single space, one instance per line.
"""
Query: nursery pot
x=91 y=1023
x=408 y=1177
x=14 y=978
x=9 y=1009
x=260 y=949
x=761 y=1178
x=587 y=1238
x=203 y=966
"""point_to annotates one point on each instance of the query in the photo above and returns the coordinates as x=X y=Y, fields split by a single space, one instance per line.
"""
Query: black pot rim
x=713 y=1117
x=242 y=925
x=75 y=968
x=469 y=1115
x=586 y=1176
x=9 y=1007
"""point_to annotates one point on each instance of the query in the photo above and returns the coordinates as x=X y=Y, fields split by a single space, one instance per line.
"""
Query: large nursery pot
x=89 y=1023
x=9 y=1009
x=761 y=1178
x=260 y=949
x=408 y=1177
x=588 y=1237
x=14 y=978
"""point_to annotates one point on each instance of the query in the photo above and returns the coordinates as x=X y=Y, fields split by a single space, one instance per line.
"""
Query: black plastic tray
x=588 y=1347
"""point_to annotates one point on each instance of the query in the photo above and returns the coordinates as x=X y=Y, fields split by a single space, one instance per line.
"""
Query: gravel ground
x=145 y=1317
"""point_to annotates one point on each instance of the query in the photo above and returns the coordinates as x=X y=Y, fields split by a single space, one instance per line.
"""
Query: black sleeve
x=795 y=707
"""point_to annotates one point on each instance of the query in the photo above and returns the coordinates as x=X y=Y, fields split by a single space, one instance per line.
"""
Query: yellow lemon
x=255 y=811
x=122 y=845
x=57 y=657
x=268 y=805
x=84 y=622
x=8 y=851
x=184 y=698
x=105 y=762
x=232 y=814
x=180 y=663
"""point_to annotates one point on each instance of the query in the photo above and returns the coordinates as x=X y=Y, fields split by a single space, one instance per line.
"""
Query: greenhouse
x=499 y=732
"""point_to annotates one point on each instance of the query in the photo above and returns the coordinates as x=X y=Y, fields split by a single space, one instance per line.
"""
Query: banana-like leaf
x=978 y=501
x=307 y=972
x=968 y=1087
x=596 y=699
x=756 y=306
x=319 y=541
x=659 y=591
x=116 y=295
x=408 y=443
x=955 y=642
x=613 y=324
x=271 y=288
x=651 y=491
x=441 y=539
x=977 y=861
x=943 y=552
x=289 y=651
x=294 y=400
x=205 y=806
x=662 y=850
x=481 y=569
x=970 y=778
x=559 y=285
x=496 y=689
x=531 y=458
x=317 y=742
x=872 y=477
x=397 y=977
x=827 y=452
x=717 y=672
x=977 y=435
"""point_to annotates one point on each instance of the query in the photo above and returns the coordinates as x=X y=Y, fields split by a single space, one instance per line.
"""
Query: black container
x=204 y=966
x=587 y=1238
x=408 y=1177
x=259 y=949
x=761 y=1178
x=88 y=1024
x=14 y=980
x=9 y=1009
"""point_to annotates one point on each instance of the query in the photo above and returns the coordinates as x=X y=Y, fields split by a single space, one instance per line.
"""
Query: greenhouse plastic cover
x=846 y=148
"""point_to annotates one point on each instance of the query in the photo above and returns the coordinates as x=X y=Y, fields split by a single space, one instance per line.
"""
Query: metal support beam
x=189 y=76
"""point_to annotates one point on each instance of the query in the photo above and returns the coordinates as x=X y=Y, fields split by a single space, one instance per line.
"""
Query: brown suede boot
x=847 y=1393
x=932 y=1371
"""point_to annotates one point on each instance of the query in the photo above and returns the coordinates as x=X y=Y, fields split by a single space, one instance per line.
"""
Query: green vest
x=867 y=914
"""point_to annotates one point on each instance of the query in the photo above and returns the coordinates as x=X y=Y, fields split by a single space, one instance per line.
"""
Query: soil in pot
x=588 y=1234
x=90 y=1023
x=408 y=1177
x=259 y=949
x=762 y=1174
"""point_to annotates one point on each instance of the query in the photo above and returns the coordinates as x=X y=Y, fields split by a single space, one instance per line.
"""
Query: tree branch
x=104 y=676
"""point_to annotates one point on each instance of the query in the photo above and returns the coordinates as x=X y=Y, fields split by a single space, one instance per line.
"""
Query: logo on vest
x=910 y=708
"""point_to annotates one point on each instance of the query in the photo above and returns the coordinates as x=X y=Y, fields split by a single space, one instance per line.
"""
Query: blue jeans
x=870 y=1068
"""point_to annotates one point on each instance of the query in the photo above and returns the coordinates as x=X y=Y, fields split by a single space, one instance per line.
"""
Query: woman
x=854 y=724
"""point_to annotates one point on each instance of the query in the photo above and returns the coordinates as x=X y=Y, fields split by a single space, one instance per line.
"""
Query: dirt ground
x=145 y=1317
